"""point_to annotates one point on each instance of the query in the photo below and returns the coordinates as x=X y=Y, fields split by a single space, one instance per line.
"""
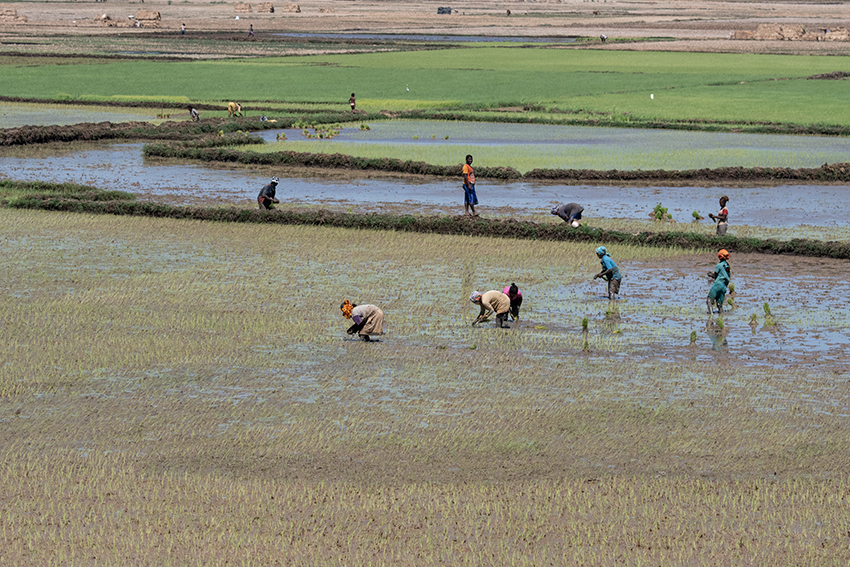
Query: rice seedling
x=190 y=383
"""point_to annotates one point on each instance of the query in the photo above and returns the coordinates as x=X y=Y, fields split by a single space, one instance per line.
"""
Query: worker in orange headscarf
x=367 y=319
x=722 y=274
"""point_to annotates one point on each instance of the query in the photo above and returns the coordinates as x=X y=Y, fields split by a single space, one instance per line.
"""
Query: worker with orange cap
x=721 y=275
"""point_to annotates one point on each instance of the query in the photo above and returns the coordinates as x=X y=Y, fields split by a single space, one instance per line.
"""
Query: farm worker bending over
x=571 y=213
x=721 y=275
x=266 y=197
x=470 y=199
x=515 y=295
x=721 y=218
x=194 y=114
x=234 y=109
x=368 y=319
x=493 y=301
x=610 y=272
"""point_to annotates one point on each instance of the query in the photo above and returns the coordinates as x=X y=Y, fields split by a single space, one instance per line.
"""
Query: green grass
x=686 y=85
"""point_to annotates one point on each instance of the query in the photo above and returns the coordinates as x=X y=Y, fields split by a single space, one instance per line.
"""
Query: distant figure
x=194 y=114
x=470 y=199
x=721 y=275
x=610 y=272
x=182 y=29
x=721 y=218
x=571 y=213
x=266 y=198
x=352 y=102
x=509 y=12
x=493 y=301
x=234 y=109
x=602 y=37
x=515 y=295
x=251 y=30
x=368 y=319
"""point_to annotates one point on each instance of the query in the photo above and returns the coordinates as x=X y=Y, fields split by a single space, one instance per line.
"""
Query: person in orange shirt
x=470 y=199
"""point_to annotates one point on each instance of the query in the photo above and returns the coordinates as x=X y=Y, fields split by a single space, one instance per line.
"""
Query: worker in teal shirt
x=610 y=272
x=722 y=274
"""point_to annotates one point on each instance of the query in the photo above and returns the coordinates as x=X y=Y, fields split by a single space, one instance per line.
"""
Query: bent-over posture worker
x=515 y=295
x=610 y=272
x=493 y=301
x=367 y=319
x=266 y=197
x=234 y=109
x=571 y=213
x=721 y=275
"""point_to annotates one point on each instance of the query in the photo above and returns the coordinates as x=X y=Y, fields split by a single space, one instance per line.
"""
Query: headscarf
x=475 y=296
x=346 y=308
x=601 y=251
x=555 y=210
x=723 y=254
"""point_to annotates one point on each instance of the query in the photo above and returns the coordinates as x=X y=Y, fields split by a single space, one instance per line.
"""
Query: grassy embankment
x=182 y=392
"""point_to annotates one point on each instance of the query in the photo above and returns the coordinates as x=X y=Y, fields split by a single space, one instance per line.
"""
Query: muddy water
x=806 y=297
x=121 y=166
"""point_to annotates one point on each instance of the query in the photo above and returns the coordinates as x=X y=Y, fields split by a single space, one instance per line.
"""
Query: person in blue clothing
x=610 y=272
x=721 y=275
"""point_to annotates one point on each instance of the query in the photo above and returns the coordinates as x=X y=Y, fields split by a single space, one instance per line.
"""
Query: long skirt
x=374 y=324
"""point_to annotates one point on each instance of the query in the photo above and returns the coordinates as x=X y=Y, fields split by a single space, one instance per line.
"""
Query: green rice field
x=691 y=86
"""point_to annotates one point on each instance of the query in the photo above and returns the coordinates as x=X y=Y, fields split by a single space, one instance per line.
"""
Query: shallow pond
x=122 y=167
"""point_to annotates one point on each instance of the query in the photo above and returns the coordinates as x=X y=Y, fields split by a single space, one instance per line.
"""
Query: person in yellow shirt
x=493 y=301
x=234 y=109
x=470 y=199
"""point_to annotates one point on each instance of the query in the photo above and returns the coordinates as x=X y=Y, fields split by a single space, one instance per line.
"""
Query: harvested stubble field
x=182 y=392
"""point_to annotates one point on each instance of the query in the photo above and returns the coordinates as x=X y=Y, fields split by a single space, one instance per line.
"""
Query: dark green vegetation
x=83 y=199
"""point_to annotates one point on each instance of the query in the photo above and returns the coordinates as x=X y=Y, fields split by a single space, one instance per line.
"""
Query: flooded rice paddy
x=662 y=302
x=122 y=167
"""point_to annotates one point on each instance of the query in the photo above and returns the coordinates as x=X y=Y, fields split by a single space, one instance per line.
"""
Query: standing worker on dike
x=266 y=199
x=610 y=272
x=470 y=199
x=721 y=218
x=368 y=319
x=571 y=213
x=494 y=301
x=721 y=275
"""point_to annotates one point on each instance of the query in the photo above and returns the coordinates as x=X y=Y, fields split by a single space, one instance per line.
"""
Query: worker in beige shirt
x=493 y=301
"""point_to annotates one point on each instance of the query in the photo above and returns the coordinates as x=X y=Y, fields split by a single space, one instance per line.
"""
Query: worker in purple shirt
x=515 y=295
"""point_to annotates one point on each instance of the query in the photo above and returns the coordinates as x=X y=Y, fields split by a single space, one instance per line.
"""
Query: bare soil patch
x=692 y=26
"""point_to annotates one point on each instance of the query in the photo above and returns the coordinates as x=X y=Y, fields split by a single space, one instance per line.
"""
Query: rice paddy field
x=183 y=392
x=179 y=393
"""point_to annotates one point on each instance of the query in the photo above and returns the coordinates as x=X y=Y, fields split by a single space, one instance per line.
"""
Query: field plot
x=185 y=389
